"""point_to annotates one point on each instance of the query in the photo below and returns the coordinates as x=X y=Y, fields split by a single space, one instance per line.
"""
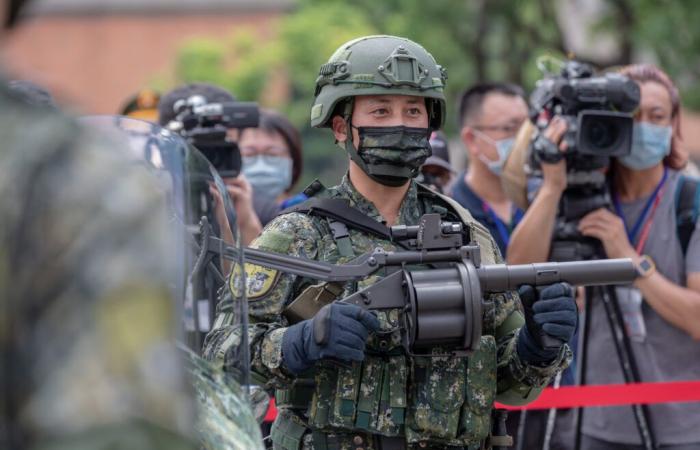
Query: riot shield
x=198 y=204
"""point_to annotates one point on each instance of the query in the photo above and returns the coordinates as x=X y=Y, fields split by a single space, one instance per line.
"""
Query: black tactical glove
x=337 y=331
x=550 y=322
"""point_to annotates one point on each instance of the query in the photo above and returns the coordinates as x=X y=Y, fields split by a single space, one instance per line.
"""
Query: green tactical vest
x=442 y=399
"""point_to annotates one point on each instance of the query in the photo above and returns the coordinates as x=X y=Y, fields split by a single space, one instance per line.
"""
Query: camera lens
x=601 y=133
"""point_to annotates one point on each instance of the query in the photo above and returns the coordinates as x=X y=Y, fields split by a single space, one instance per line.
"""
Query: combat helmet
x=376 y=65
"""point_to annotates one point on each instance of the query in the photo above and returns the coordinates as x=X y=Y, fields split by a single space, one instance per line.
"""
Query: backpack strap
x=687 y=206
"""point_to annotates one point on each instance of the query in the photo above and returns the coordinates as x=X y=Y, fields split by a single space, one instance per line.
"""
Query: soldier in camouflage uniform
x=381 y=95
x=87 y=321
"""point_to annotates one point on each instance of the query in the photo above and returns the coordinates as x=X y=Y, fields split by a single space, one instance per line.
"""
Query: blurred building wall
x=93 y=59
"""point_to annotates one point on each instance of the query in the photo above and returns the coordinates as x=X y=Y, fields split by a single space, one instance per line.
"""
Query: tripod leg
x=521 y=430
x=551 y=418
x=581 y=359
x=628 y=363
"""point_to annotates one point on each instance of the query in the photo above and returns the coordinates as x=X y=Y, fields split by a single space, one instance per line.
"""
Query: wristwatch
x=645 y=267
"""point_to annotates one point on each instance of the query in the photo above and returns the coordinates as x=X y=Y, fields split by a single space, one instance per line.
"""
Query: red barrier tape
x=614 y=395
x=271 y=412
x=601 y=395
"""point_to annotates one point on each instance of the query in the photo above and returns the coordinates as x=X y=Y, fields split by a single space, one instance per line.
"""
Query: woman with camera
x=661 y=309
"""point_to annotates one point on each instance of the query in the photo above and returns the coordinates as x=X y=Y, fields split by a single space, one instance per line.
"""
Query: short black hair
x=473 y=98
x=212 y=93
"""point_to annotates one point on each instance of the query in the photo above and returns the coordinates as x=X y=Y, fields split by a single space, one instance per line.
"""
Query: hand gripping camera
x=598 y=112
x=205 y=125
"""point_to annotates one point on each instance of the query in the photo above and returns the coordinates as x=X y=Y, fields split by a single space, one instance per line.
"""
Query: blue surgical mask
x=650 y=144
x=268 y=175
x=503 y=148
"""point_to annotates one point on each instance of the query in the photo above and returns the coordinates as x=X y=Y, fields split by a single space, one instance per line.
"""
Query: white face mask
x=503 y=148
x=650 y=145
x=268 y=175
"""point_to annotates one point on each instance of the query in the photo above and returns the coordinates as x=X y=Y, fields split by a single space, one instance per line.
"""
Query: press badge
x=630 y=300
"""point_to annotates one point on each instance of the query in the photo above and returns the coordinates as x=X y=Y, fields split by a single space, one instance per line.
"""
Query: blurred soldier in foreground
x=88 y=319
x=87 y=311
x=356 y=386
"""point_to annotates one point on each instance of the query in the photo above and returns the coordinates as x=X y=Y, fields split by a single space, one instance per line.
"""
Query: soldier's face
x=383 y=111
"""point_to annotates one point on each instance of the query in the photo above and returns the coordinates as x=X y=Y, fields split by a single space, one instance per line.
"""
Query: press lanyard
x=644 y=220
x=503 y=229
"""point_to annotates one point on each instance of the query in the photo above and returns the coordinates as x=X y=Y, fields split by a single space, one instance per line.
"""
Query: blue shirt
x=481 y=211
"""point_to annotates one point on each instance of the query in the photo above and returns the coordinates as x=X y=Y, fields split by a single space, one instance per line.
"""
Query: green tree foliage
x=240 y=64
x=476 y=40
x=244 y=65
x=667 y=30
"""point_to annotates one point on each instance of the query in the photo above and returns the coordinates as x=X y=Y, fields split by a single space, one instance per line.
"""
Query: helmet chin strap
x=348 y=146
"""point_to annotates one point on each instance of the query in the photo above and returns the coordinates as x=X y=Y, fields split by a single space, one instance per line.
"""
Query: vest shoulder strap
x=339 y=210
x=490 y=254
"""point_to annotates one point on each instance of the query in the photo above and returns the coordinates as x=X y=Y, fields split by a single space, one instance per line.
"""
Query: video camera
x=598 y=111
x=205 y=125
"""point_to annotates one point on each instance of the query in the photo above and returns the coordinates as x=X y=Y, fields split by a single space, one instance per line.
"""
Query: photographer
x=238 y=187
x=272 y=163
x=661 y=310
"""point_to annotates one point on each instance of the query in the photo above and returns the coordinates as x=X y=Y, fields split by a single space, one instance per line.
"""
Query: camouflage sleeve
x=268 y=292
x=519 y=382
x=85 y=271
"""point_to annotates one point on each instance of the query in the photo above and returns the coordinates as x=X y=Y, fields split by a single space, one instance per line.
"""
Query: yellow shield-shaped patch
x=259 y=281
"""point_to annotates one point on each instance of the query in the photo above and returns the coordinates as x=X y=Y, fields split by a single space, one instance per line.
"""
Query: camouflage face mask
x=390 y=155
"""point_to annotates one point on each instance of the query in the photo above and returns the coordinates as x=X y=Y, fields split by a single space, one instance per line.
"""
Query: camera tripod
x=628 y=363
x=591 y=249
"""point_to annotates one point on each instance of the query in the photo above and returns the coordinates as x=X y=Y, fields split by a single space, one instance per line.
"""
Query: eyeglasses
x=509 y=129
x=269 y=151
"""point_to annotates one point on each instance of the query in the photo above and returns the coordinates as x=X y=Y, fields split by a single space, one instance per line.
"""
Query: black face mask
x=390 y=155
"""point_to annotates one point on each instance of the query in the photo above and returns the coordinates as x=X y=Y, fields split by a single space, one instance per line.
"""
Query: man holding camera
x=648 y=222
x=355 y=386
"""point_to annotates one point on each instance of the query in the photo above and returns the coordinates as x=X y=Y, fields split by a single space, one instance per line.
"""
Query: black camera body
x=598 y=112
x=205 y=126
x=599 y=115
